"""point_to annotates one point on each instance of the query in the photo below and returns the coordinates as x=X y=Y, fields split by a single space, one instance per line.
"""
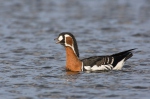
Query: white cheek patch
x=60 y=38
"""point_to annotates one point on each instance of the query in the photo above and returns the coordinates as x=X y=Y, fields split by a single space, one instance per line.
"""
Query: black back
x=104 y=60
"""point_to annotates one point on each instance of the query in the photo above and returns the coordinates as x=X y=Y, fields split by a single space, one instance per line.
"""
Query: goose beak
x=57 y=42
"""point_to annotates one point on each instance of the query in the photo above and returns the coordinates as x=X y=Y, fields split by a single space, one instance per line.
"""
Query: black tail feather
x=119 y=56
x=129 y=55
x=124 y=52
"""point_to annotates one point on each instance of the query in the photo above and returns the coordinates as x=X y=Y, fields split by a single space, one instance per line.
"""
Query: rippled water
x=32 y=65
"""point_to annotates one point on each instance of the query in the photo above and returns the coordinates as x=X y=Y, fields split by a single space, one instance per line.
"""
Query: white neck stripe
x=82 y=67
x=71 y=47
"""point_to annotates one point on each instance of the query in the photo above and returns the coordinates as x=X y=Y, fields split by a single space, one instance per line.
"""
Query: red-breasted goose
x=95 y=63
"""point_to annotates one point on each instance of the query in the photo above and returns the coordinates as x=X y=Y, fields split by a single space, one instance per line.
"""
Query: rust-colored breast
x=72 y=61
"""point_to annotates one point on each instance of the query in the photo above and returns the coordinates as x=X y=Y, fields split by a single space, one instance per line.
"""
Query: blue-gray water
x=32 y=65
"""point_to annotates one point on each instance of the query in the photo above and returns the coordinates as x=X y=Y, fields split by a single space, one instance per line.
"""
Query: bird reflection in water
x=71 y=76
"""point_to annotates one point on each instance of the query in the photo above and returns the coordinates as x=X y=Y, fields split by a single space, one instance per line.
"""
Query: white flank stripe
x=108 y=67
x=108 y=60
x=102 y=67
x=112 y=60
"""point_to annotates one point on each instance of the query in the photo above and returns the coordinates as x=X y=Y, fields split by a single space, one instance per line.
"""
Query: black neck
x=75 y=46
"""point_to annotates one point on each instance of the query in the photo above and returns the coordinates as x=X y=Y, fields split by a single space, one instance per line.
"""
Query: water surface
x=32 y=66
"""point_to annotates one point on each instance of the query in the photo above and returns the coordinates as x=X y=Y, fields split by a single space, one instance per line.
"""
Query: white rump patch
x=119 y=65
x=60 y=38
